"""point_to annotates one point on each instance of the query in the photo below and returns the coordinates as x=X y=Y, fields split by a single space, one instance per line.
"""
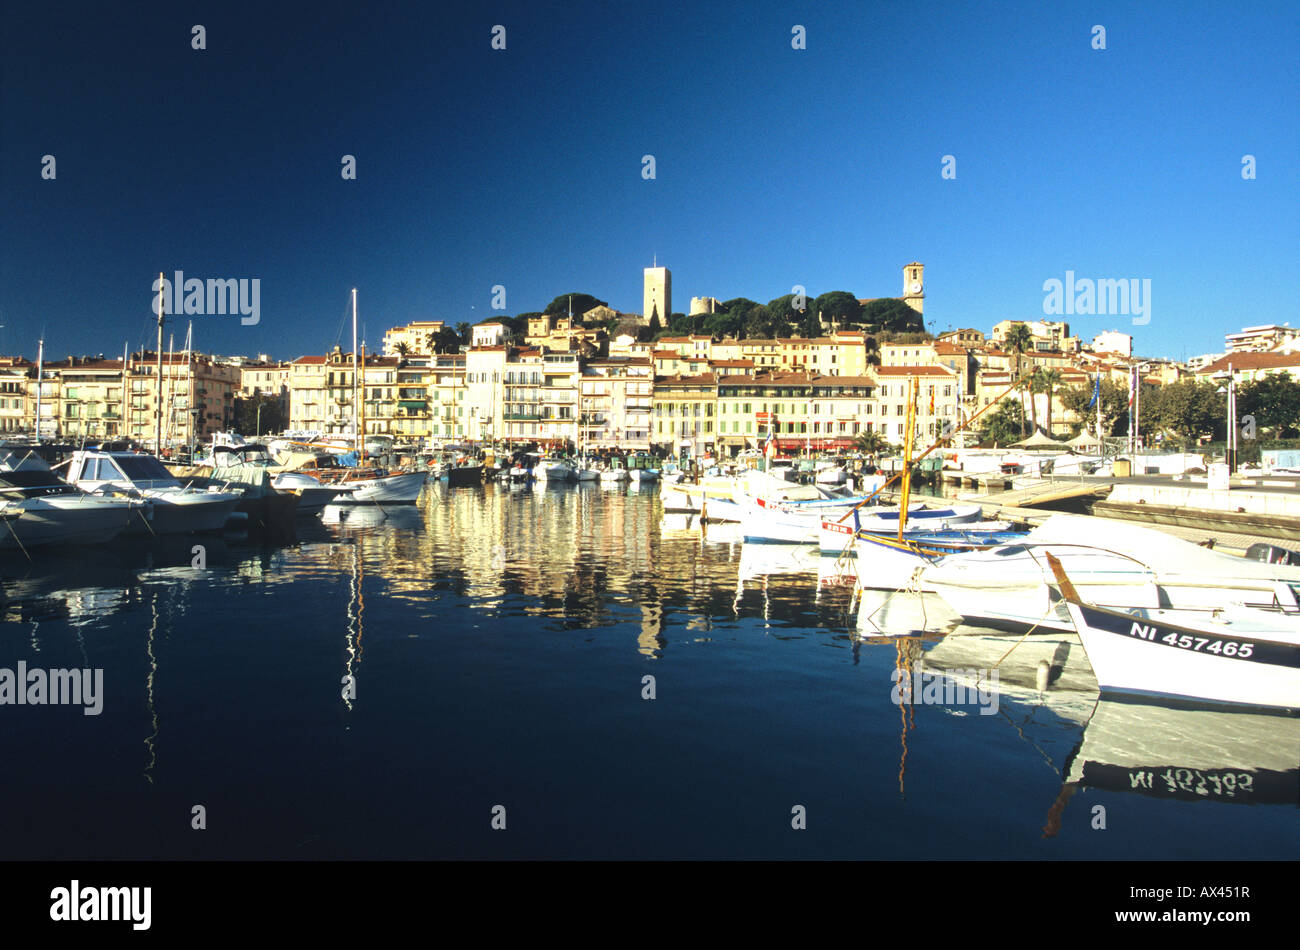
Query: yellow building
x=684 y=413
x=419 y=338
x=16 y=375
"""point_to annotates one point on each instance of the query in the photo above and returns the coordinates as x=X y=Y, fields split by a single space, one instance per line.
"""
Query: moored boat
x=174 y=508
x=1238 y=657
x=39 y=508
x=1112 y=564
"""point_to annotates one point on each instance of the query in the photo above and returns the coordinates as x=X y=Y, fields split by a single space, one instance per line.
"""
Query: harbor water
x=566 y=672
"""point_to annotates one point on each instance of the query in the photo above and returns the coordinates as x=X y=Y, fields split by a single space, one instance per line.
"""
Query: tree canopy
x=1114 y=406
x=891 y=313
x=1184 y=411
x=581 y=304
x=1273 y=402
x=273 y=417
x=1004 y=424
x=838 y=306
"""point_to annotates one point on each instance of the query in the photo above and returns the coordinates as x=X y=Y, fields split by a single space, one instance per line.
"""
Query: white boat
x=1237 y=657
x=354 y=485
x=835 y=532
x=553 y=470
x=614 y=473
x=819 y=521
x=1112 y=564
x=723 y=497
x=399 y=488
x=37 y=507
x=313 y=494
x=886 y=563
x=641 y=470
x=173 y=509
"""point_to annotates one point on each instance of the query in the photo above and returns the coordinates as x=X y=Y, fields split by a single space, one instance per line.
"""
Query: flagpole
x=1131 y=390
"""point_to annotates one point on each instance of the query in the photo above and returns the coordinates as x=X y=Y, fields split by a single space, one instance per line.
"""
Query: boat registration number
x=1186 y=641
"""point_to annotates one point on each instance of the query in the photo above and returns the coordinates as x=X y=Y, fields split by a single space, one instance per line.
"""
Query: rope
x=17 y=540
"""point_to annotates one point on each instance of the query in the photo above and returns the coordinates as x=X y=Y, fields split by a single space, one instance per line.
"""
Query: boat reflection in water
x=1189 y=753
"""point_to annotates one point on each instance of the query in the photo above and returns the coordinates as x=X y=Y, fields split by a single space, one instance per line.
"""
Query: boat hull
x=462 y=476
x=43 y=522
x=1143 y=653
x=386 y=489
x=184 y=513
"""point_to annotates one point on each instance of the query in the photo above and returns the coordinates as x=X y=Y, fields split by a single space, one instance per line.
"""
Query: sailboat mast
x=125 y=393
x=907 y=457
x=40 y=376
x=354 y=362
x=361 y=438
x=171 y=386
x=162 y=308
x=189 y=380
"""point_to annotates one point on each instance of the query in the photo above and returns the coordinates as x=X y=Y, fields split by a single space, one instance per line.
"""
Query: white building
x=1259 y=339
x=488 y=334
x=1112 y=341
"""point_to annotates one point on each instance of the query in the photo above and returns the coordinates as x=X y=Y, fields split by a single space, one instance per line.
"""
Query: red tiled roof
x=1249 y=361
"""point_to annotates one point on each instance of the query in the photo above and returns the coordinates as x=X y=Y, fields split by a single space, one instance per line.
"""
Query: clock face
x=916 y=286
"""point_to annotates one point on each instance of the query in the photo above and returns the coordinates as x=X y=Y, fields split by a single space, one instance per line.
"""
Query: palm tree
x=871 y=443
x=403 y=352
x=1018 y=338
x=1049 y=381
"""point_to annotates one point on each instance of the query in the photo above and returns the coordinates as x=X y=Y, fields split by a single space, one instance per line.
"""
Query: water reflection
x=521 y=619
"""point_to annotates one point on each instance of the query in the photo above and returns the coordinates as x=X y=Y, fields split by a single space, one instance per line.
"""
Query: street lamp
x=1230 y=441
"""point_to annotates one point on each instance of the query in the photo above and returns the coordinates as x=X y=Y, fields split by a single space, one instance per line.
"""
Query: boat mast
x=354 y=363
x=171 y=387
x=125 y=394
x=907 y=457
x=162 y=307
x=40 y=375
x=189 y=381
x=361 y=439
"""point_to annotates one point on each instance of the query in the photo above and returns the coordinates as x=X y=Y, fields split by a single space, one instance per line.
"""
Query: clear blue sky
x=522 y=167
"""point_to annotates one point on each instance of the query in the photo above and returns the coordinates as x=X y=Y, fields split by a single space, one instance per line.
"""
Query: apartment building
x=16 y=375
x=417 y=338
x=616 y=403
x=684 y=413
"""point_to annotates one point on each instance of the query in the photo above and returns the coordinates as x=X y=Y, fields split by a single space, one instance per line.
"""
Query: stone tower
x=914 y=286
x=658 y=294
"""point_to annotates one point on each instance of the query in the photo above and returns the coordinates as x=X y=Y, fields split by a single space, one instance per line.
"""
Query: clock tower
x=914 y=286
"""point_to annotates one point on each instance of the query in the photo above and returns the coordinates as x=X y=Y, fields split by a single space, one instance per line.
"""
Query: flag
x=1132 y=386
x=931 y=400
x=769 y=446
x=1096 y=391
